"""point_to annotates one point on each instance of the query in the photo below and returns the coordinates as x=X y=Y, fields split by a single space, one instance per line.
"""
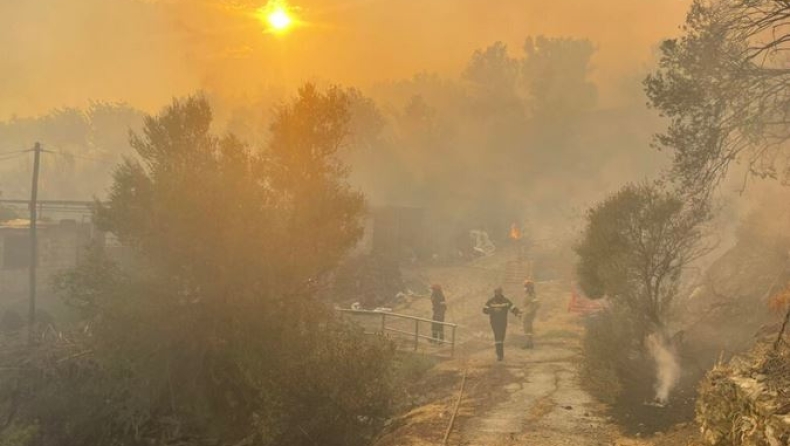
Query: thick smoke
x=459 y=142
x=62 y=53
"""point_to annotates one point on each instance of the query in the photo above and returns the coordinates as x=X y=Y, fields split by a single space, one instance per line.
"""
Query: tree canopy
x=634 y=248
x=212 y=332
x=555 y=74
x=724 y=86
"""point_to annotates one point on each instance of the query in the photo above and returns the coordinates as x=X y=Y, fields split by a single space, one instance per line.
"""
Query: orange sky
x=65 y=52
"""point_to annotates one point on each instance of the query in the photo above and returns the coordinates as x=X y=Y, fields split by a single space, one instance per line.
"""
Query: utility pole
x=33 y=242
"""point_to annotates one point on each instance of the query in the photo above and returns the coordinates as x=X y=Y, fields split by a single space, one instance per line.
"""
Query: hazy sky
x=65 y=52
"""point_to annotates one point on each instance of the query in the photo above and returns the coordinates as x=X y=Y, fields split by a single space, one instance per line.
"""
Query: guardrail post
x=416 y=333
x=452 y=343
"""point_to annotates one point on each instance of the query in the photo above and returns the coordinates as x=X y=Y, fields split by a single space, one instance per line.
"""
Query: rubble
x=746 y=402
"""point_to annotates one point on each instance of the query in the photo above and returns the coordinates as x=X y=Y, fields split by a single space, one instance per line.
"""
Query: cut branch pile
x=747 y=401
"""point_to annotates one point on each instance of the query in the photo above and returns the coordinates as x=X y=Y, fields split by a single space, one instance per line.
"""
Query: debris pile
x=746 y=402
x=482 y=243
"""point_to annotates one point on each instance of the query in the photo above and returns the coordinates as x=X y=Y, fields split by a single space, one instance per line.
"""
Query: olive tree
x=634 y=248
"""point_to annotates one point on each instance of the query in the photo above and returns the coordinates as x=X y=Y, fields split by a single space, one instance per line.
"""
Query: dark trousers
x=438 y=329
x=499 y=338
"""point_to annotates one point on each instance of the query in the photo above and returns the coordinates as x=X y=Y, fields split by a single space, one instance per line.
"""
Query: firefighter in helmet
x=439 y=305
x=531 y=306
x=497 y=309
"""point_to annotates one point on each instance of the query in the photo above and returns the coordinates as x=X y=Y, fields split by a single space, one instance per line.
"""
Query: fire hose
x=455 y=409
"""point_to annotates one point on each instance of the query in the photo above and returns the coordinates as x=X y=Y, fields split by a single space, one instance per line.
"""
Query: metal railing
x=381 y=326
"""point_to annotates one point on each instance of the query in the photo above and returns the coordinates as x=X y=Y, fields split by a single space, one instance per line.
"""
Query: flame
x=780 y=302
x=515 y=232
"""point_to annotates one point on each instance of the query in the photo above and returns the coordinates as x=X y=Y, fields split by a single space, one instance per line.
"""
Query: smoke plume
x=667 y=367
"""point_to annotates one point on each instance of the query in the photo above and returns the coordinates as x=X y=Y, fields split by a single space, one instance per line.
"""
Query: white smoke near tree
x=667 y=367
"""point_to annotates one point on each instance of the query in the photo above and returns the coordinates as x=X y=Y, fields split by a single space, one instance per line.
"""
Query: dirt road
x=532 y=397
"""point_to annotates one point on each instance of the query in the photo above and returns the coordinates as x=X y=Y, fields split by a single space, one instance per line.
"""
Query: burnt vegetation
x=723 y=87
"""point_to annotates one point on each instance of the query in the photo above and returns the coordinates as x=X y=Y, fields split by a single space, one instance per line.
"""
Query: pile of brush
x=746 y=402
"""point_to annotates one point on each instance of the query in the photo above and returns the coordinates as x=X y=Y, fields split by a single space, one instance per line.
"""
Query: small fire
x=780 y=302
x=515 y=232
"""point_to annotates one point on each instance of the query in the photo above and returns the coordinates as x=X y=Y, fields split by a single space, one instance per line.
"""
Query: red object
x=579 y=303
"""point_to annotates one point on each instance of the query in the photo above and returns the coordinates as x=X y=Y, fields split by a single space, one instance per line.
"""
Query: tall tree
x=305 y=164
x=724 y=86
x=494 y=77
x=555 y=73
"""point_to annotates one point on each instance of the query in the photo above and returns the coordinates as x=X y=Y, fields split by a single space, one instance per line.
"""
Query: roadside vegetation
x=210 y=332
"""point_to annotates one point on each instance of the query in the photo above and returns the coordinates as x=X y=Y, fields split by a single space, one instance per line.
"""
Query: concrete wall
x=60 y=245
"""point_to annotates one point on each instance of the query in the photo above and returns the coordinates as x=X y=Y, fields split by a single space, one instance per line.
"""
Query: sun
x=279 y=19
x=276 y=16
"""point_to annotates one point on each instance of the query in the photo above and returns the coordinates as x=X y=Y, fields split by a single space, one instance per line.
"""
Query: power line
x=15 y=151
x=10 y=157
x=71 y=155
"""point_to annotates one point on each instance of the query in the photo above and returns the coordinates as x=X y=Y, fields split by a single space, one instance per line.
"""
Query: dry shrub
x=605 y=345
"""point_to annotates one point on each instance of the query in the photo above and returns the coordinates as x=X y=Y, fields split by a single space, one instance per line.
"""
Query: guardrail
x=382 y=326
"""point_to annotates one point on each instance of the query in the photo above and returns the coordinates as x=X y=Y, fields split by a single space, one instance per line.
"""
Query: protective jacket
x=497 y=309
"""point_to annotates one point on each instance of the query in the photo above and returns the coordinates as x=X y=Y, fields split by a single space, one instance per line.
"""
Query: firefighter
x=531 y=306
x=439 y=304
x=497 y=309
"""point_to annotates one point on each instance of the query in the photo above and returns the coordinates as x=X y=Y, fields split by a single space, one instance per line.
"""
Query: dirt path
x=532 y=397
